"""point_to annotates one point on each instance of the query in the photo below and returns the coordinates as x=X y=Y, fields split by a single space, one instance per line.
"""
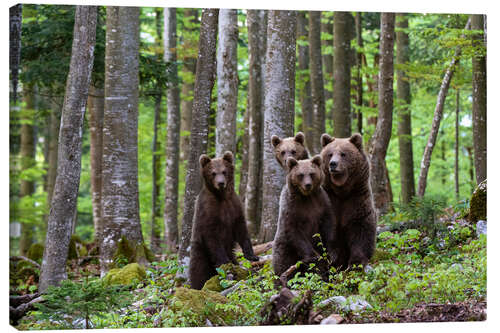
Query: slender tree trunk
x=187 y=90
x=470 y=152
x=359 y=75
x=155 y=191
x=327 y=43
x=227 y=82
x=436 y=121
x=457 y=146
x=381 y=137
x=479 y=99
x=120 y=193
x=55 y=123
x=304 y=83
x=245 y=141
x=341 y=75
x=63 y=207
x=404 y=113
x=173 y=134
x=278 y=110
x=256 y=28
x=15 y=22
x=96 y=116
x=204 y=82
x=317 y=88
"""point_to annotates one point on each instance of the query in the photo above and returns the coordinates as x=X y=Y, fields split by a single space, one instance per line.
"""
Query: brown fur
x=305 y=210
x=219 y=222
x=289 y=147
x=347 y=182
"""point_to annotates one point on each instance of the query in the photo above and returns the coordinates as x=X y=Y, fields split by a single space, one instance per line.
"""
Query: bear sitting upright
x=347 y=182
x=218 y=222
x=305 y=210
x=289 y=147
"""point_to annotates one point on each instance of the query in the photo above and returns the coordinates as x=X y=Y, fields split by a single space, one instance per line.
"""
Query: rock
x=126 y=275
x=481 y=227
x=457 y=266
x=288 y=308
x=332 y=319
x=339 y=300
x=357 y=304
x=478 y=203
x=35 y=252
x=233 y=272
x=368 y=269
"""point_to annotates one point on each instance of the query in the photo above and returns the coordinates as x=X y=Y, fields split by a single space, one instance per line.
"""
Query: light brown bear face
x=289 y=147
x=218 y=173
x=341 y=157
x=305 y=175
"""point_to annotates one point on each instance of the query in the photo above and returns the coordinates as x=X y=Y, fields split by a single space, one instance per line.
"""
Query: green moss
x=381 y=255
x=126 y=275
x=35 y=252
x=128 y=252
x=205 y=305
x=75 y=245
x=238 y=273
x=478 y=203
x=213 y=284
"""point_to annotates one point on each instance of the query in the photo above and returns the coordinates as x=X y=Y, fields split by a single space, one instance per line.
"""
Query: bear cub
x=347 y=182
x=305 y=210
x=219 y=222
x=289 y=147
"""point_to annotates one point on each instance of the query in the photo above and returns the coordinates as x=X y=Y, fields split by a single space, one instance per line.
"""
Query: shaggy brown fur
x=289 y=147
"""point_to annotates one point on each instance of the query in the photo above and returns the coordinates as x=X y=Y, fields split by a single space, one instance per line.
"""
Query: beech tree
x=327 y=52
x=279 y=103
x=15 y=21
x=63 y=207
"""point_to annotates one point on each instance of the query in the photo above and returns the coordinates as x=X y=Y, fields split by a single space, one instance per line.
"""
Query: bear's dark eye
x=301 y=175
x=311 y=175
x=330 y=155
x=213 y=174
x=224 y=172
x=342 y=154
x=293 y=152
x=283 y=153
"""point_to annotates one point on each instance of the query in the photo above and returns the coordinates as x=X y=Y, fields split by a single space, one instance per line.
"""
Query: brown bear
x=219 y=222
x=289 y=147
x=305 y=211
x=347 y=182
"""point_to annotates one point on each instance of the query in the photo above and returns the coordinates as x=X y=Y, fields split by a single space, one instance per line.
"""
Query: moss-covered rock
x=129 y=274
x=237 y=273
x=77 y=248
x=202 y=305
x=478 y=203
x=35 y=252
x=20 y=271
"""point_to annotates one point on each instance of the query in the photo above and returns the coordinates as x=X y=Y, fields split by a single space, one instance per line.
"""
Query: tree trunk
x=120 y=193
x=244 y=154
x=479 y=98
x=256 y=29
x=457 y=145
x=63 y=207
x=55 y=123
x=15 y=22
x=187 y=90
x=27 y=152
x=96 y=116
x=359 y=76
x=173 y=134
x=436 y=121
x=227 y=82
x=327 y=43
x=470 y=152
x=155 y=171
x=341 y=75
x=304 y=82
x=279 y=103
x=404 y=112
x=204 y=82
x=317 y=88
x=381 y=137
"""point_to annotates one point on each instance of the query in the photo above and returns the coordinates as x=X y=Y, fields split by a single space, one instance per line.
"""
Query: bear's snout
x=333 y=165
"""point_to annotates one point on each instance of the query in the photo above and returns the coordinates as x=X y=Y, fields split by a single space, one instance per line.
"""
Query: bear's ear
x=204 y=160
x=291 y=162
x=357 y=140
x=300 y=138
x=317 y=160
x=228 y=156
x=275 y=140
x=326 y=139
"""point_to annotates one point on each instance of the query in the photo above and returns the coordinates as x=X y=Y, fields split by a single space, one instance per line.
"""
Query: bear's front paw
x=252 y=257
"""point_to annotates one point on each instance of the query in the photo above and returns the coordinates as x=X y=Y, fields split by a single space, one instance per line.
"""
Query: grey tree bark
x=317 y=88
x=120 y=193
x=244 y=154
x=256 y=29
x=173 y=133
x=204 y=82
x=327 y=42
x=382 y=135
x=96 y=116
x=341 y=75
x=227 y=82
x=15 y=22
x=279 y=103
x=436 y=121
x=55 y=124
x=457 y=145
x=479 y=98
x=63 y=207
x=304 y=83
x=404 y=113
x=359 y=76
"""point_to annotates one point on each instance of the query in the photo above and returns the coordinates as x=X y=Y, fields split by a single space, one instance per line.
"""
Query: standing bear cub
x=347 y=182
x=219 y=222
x=305 y=210
x=289 y=147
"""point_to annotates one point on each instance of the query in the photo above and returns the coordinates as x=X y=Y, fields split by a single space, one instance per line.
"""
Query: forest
x=122 y=121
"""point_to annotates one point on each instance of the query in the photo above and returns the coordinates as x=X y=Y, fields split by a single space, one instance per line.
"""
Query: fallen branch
x=19 y=312
x=19 y=258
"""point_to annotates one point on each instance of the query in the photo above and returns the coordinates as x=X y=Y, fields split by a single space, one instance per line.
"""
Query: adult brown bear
x=219 y=222
x=289 y=147
x=347 y=182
